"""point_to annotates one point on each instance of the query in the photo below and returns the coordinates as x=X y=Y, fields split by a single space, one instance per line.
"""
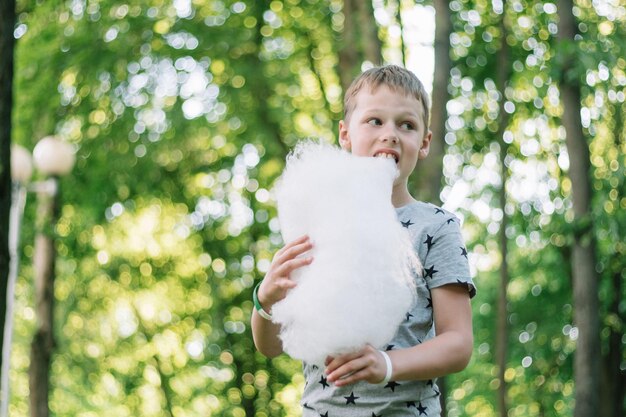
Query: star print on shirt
x=407 y=223
x=450 y=220
x=463 y=252
x=429 y=272
x=392 y=385
x=324 y=382
x=408 y=316
x=430 y=302
x=376 y=415
x=307 y=406
x=410 y=404
x=421 y=409
x=389 y=347
x=439 y=211
x=324 y=415
x=429 y=241
x=351 y=399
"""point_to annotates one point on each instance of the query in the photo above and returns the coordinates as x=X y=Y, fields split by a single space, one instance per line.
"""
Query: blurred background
x=179 y=115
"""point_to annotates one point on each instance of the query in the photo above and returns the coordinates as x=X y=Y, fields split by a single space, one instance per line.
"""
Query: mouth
x=388 y=154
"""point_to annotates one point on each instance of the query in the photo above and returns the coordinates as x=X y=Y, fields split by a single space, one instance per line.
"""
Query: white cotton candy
x=361 y=282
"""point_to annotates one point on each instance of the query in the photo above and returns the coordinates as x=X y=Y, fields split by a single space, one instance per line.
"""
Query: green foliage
x=182 y=114
x=541 y=226
x=177 y=113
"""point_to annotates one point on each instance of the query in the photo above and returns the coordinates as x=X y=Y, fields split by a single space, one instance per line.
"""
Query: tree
x=429 y=172
x=502 y=76
x=369 y=39
x=584 y=275
x=349 y=57
x=613 y=386
x=359 y=40
x=182 y=113
x=7 y=40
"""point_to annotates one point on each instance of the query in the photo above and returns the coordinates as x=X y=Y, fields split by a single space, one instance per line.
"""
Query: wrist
x=388 y=368
x=258 y=306
x=261 y=294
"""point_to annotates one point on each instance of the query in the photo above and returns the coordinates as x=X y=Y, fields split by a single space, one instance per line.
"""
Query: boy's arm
x=273 y=289
x=446 y=353
x=265 y=335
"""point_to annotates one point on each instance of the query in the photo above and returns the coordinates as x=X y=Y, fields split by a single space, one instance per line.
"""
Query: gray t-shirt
x=436 y=236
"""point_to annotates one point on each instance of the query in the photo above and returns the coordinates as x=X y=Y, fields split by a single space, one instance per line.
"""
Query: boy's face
x=386 y=122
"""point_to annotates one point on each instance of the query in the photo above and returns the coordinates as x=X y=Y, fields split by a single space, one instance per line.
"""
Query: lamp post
x=21 y=171
x=53 y=158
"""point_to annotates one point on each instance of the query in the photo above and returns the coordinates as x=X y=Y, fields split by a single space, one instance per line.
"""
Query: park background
x=181 y=114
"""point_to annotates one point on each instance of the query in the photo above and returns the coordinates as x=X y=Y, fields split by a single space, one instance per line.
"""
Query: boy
x=386 y=113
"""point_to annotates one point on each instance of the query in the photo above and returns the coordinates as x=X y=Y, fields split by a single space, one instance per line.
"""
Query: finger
x=288 y=245
x=285 y=269
x=346 y=370
x=285 y=284
x=362 y=375
x=346 y=357
x=337 y=363
x=295 y=242
x=328 y=360
x=293 y=252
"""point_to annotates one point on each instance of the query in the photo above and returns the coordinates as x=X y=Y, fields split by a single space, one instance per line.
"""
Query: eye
x=407 y=126
x=374 y=121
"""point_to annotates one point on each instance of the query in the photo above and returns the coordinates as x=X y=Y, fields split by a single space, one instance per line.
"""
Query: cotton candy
x=361 y=282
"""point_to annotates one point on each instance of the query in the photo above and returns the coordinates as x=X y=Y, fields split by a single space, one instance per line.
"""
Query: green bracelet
x=257 y=304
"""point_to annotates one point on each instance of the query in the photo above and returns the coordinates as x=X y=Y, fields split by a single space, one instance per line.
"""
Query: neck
x=400 y=195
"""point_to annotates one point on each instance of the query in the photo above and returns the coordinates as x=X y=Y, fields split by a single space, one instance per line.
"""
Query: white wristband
x=389 y=368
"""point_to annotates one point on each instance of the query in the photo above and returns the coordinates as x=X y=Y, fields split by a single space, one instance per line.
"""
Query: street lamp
x=52 y=158
x=21 y=165
x=21 y=171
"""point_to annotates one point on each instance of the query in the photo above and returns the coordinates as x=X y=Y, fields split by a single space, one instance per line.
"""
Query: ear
x=344 y=138
x=423 y=152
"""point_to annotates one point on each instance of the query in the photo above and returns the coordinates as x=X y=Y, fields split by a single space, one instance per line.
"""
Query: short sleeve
x=444 y=256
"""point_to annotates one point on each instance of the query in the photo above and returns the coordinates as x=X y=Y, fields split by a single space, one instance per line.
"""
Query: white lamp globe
x=21 y=164
x=54 y=156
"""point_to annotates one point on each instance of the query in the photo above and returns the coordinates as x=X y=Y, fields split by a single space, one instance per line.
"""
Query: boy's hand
x=277 y=282
x=366 y=364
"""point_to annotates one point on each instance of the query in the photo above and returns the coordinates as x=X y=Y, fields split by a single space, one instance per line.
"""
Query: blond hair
x=393 y=76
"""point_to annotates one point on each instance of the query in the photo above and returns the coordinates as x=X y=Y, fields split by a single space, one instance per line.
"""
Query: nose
x=389 y=136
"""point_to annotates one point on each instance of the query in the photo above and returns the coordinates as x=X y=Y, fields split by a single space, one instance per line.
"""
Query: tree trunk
x=502 y=328
x=370 y=42
x=613 y=378
x=584 y=276
x=348 y=54
x=43 y=343
x=429 y=173
x=259 y=82
x=401 y=25
x=613 y=387
x=7 y=42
